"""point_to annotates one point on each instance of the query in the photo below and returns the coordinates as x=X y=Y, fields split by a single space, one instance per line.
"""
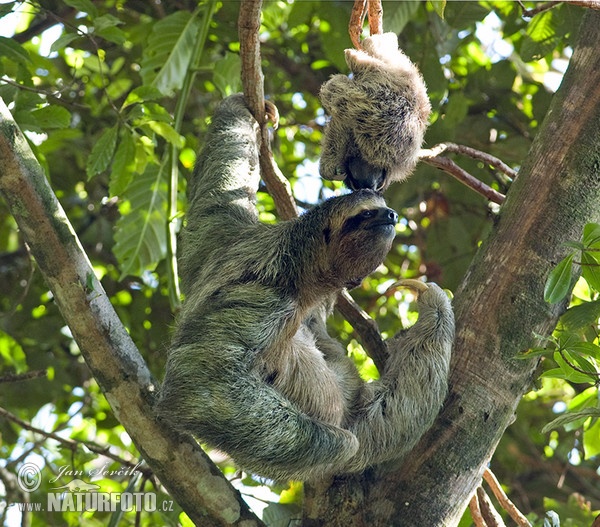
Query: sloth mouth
x=382 y=225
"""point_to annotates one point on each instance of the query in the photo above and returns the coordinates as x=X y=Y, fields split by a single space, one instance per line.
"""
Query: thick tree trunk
x=499 y=307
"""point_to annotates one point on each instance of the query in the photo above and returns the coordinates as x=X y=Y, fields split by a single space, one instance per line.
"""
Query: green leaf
x=102 y=152
x=141 y=94
x=226 y=74
x=167 y=56
x=112 y=34
x=570 y=417
x=123 y=165
x=104 y=21
x=167 y=132
x=398 y=14
x=141 y=234
x=540 y=38
x=6 y=8
x=438 y=6
x=585 y=348
x=63 y=41
x=559 y=281
x=14 y=51
x=590 y=269
x=581 y=316
x=591 y=235
x=591 y=440
x=85 y=6
x=52 y=117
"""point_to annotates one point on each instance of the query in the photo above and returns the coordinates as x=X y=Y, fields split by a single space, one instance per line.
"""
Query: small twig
x=375 y=17
x=253 y=82
x=364 y=326
x=489 y=159
x=503 y=499
x=450 y=167
x=530 y=13
x=357 y=19
x=18 y=377
x=362 y=8
x=488 y=512
x=70 y=443
x=476 y=516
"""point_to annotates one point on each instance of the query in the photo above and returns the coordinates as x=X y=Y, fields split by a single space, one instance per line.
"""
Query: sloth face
x=358 y=236
x=360 y=174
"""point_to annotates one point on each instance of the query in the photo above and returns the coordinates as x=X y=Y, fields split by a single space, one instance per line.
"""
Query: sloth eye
x=368 y=213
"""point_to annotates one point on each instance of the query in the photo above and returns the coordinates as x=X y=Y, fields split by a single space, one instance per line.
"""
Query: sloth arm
x=388 y=416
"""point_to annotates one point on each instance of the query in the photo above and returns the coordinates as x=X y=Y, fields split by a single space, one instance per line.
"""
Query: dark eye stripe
x=351 y=224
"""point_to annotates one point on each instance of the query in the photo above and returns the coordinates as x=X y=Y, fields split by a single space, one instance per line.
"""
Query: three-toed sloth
x=378 y=116
x=251 y=369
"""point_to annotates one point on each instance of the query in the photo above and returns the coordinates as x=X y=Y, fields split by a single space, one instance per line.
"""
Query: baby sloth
x=251 y=369
x=378 y=116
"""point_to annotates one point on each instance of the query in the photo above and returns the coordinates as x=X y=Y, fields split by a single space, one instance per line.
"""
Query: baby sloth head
x=356 y=232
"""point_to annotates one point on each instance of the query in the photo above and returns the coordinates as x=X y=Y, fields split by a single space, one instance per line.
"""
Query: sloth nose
x=390 y=215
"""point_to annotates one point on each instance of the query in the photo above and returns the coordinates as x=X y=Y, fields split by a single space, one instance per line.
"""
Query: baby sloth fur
x=378 y=116
x=251 y=369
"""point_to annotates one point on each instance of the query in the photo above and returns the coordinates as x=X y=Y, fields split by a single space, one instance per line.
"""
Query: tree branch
x=253 y=82
x=72 y=444
x=502 y=498
x=365 y=327
x=540 y=8
x=181 y=465
x=450 y=167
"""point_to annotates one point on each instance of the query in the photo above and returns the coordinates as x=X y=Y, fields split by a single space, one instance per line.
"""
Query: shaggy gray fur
x=251 y=369
x=378 y=116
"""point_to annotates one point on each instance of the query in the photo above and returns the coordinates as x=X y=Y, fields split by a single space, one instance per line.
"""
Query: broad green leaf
x=52 y=117
x=14 y=51
x=141 y=94
x=540 y=38
x=590 y=269
x=438 y=6
x=581 y=316
x=167 y=132
x=591 y=440
x=226 y=74
x=141 y=233
x=112 y=34
x=123 y=165
x=571 y=374
x=167 y=56
x=6 y=8
x=63 y=41
x=585 y=348
x=591 y=235
x=102 y=152
x=104 y=21
x=398 y=14
x=559 y=281
x=570 y=417
x=85 y=6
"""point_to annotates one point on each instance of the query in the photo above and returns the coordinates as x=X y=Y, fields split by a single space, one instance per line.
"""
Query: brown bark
x=499 y=307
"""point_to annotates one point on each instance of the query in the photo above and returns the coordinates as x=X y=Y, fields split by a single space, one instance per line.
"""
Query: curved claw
x=415 y=285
